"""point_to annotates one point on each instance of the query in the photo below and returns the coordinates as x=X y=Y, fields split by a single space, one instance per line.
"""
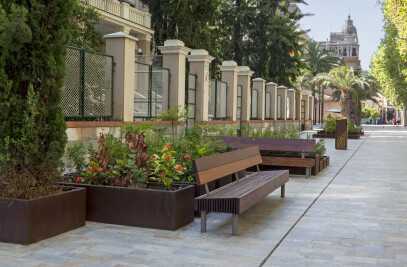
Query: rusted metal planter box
x=29 y=221
x=149 y=208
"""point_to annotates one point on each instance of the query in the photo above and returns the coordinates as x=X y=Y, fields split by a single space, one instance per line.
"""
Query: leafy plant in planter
x=165 y=168
x=131 y=170
x=320 y=148
x=76 y=156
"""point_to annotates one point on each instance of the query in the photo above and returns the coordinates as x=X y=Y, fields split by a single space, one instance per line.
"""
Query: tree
x=388 y=67
x=370 y=113
x=33 y=39
x=396 y=12
x=275 y=47
x=345 y=80
x=83 y=30
x=192 y=21
x=319 y=61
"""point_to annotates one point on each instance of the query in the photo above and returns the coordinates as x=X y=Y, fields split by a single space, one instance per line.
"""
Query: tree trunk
x=359 y=117
x=353 y=111
x=344 y=102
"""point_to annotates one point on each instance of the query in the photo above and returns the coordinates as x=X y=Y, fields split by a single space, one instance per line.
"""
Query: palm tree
x=344 y=79
x=319 y=60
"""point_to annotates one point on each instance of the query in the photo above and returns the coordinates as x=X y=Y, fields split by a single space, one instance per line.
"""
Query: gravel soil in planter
x=29 y=221
x=152 y=207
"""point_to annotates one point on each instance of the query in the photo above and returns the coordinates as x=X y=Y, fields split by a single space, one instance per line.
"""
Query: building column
x=282 y=92
x=291 y=108
x=272 y=89
x=259 y=84
x=229 y=70
x=305 y=97
x=199 y=61
x=174 y=55
x=244 y=75
x=311 y=108
x=121 y=47
x=144 y=43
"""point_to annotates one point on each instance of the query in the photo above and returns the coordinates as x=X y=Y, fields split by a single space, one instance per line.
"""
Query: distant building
x=345 y=44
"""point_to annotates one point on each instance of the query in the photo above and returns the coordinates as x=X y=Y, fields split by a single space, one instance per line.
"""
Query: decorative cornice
x=245 y=71
x=119 y=35
x=200 y=55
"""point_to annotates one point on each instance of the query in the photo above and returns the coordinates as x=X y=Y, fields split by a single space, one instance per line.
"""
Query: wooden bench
x=278 y=145
x=239 y=196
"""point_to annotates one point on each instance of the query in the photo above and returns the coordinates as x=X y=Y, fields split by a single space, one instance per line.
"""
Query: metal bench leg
x=203 y=221
x=307 y=172
x=234 y=224
x=283 y=190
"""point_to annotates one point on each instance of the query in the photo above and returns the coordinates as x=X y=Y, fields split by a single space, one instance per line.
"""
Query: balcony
x=123 y=10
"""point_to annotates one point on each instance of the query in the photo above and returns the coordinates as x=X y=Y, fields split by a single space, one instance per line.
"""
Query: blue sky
x=331 y=14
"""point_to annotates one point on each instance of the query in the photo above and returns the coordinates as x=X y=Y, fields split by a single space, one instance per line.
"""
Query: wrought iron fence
x=87 y=91
x=156 y=60
x=217 y=100
x=190 y=98
x=151 y=90
x=239 y=102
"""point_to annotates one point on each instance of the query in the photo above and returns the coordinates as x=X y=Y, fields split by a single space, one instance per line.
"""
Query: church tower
x=345 y=44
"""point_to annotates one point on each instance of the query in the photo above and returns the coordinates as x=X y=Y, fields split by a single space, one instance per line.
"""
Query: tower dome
x=348 y=28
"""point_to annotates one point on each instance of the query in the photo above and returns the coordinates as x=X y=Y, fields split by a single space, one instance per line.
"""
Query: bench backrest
x=211 y=168
x=272 y=144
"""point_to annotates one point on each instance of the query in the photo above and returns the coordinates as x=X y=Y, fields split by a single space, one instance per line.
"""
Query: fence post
x=272 y=89
x=291 y=95
x=121 y=47
x=174 y=53
x=305 y=97
x=244 y=75
x=199 y=60
x=229 y=71
x=259 y=84
x=311 y=108
x=282 y=91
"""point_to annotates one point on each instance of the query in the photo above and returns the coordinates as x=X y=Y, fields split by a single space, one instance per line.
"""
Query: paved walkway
x=352 y=213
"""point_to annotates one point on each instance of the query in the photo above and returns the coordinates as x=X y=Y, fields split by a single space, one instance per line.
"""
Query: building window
x=354 y=54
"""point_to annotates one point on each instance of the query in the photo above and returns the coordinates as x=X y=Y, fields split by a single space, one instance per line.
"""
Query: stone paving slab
x=359 y=220
x=362 y=214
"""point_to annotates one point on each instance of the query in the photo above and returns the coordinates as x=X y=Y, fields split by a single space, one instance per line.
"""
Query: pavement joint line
x=310 y=206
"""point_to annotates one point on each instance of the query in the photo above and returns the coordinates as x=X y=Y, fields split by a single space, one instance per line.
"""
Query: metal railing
x=239 y=102
x=87 y=91
x=151 y=90
x=190 y=97
x=217 y=100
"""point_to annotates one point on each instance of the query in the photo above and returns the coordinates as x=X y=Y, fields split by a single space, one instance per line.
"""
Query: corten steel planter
x=29 y=221
x=150 y=208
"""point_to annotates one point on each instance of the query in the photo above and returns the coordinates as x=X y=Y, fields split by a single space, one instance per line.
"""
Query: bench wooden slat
x=211 y=168
x=272 y=144
x=288 y=162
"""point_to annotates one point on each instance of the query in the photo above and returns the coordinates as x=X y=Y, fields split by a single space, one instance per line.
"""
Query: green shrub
x=76 y=156
x=33 y=39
